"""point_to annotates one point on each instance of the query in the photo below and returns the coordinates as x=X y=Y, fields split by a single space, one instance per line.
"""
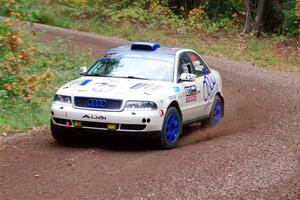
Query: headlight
x=140 y=105
x=62 y=99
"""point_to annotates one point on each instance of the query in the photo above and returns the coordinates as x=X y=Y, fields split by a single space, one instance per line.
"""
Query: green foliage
x=291 y=22
x=223 y=9
x=29 y=72
x=62 y=63
x=18 y=57
x=47 y=17
x=132 y=14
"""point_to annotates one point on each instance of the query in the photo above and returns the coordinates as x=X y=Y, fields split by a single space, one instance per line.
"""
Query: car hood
x=115 y=88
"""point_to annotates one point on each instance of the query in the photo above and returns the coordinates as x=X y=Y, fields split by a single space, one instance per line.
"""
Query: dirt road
x=255 y=154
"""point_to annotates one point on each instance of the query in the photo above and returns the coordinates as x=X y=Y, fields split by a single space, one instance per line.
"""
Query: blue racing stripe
x=85 y=82
x=138 y=86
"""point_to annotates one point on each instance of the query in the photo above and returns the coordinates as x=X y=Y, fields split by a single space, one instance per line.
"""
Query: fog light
x=77 y=124
x=111 y=126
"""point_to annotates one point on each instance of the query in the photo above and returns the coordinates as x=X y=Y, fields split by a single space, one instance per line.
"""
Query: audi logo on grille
x=97 y=103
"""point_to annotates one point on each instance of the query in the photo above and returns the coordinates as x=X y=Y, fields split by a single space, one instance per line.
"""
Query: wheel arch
x=223 y=102
x=175 y=105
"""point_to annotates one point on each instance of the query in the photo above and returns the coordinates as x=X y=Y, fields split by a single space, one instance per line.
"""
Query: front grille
x=137 y=127
x=98 y=103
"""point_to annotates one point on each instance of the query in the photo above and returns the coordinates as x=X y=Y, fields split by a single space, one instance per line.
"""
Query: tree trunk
x=248 y=19
x=298 y=9
x=148 y=5
x=258 y=17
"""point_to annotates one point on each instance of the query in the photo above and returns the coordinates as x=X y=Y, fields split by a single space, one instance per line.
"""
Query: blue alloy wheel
x=217 y=112
x=172 y=129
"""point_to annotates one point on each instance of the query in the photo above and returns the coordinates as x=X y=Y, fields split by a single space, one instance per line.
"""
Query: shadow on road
x=109 y=142
x=131 y=143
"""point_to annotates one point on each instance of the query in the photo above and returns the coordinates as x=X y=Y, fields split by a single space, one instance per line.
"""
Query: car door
x=205 y=84
x=190 y=88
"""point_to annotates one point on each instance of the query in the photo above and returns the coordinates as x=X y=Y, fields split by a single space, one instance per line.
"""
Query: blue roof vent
x=148 y=46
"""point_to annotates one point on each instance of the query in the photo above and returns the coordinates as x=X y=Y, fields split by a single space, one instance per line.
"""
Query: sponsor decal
x=138 y=86
x=83 y=83
x=153 y=87
x=172 y=97
x=103 y=87
x=176 y=89
x=191 y=93
x=94 y=117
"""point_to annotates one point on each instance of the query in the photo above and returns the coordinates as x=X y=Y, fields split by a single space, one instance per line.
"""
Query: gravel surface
x=254 y=154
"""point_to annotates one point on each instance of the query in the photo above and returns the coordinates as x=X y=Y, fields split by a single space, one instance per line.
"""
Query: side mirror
x=187 y=77
x=83 y=70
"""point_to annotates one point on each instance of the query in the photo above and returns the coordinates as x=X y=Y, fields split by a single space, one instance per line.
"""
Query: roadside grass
x=259 y=51
x=18 y=115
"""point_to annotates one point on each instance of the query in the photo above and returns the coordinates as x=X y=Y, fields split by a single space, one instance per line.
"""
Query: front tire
x=171 y=130
x=62 y=136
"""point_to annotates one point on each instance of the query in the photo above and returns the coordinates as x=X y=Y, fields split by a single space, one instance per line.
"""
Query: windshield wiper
x=97 y=75
x=130 y=77
x=133 y=77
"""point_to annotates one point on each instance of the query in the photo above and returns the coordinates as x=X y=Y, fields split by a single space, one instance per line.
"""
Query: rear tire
x=215 y=114
x=172 y=128
x=62 y=136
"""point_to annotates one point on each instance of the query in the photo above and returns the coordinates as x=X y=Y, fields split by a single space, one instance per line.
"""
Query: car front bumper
x=66 y=116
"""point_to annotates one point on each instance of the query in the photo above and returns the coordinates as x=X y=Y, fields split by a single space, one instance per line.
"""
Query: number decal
x=191 y=93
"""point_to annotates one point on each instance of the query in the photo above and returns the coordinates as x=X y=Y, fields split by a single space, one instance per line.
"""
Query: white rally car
x=141 y=89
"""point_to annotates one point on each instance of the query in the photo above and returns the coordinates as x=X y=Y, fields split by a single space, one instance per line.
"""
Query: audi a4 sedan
x=139 y=89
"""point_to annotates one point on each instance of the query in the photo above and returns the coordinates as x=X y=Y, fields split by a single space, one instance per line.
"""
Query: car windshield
x=136 y=66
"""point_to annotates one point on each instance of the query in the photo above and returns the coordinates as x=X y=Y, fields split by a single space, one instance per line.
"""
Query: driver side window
x=198 y=65
x=185 y=64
